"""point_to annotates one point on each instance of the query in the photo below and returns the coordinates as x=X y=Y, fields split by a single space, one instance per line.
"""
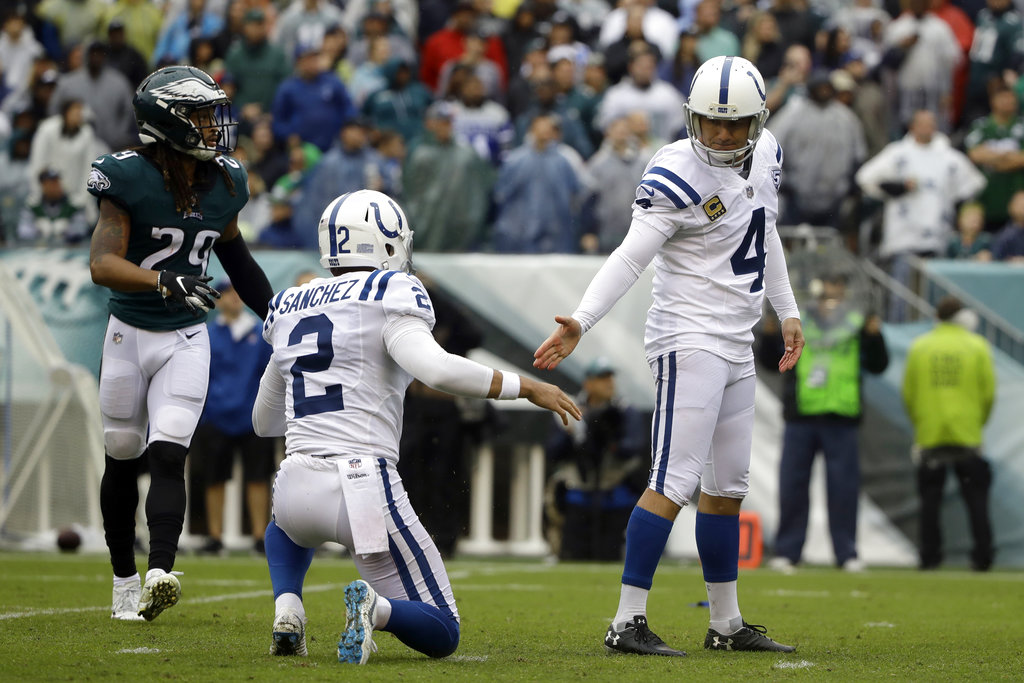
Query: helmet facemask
x=732 y=158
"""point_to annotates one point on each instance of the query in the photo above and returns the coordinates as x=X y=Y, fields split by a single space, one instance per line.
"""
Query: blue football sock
x=646 y=535
x=718 y=544
x=423 y=627
x=287 y=560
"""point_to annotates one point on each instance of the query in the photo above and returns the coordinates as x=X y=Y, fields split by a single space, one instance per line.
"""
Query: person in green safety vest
x=822 y=410
x=948 y=389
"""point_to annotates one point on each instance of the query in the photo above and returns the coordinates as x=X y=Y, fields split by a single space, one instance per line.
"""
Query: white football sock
x=153 y=573
x=289 y=601
x=383 y=615
x=632 y=602
x=125 y=580
x=725 y=607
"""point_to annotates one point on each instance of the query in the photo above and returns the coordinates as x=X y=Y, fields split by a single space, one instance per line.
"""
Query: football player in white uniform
x=704 y=214
x=345 y=349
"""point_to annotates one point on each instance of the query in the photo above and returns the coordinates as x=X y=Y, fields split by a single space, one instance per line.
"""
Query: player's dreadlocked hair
x=169 y=161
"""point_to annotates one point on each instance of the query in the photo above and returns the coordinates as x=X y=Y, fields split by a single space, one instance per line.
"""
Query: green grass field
x=521 y=621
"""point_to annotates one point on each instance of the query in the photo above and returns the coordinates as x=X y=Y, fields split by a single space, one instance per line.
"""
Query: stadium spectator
x=474 y=60
x=267 y=157
x=480 y=122
x=66 y=145
x=533 y=70
x=305 y=22
x=391 y=153
x=612 y=171
x=312 y=104
x=336 y=50
x=834 y=49
x=447 y=187
x=141 y=19
x=257 y=65
x=867 y=99
x=536 y=196
x=40 y=92
x=996 y=55
x=597 y=460
x=549 y=101
x=824 y=146
x=585 y=97
x=122 y=56
x=520 y=32
x=822 y=408
x=449 y=43
x=107 y=94
x=77 y=21
x=238 y=356
x=563 y=42
x=921 y=52
x=401 y=105
x=659 y=26
x=18 y=51
x=798 y=22
x=792 y=78
x=995 y=143
x=762 y=44
x=970 y=241
x=255 y=215
x=280 y=232
x=368 y=76
x=349 y=165
x=1008 y=244
x=402 y=15
x=920 y=178
x=202 y=54
x=963 y=29
x=616 y=55
x=948 y=390
x=642 y=90
x=377 y=25
x=712 y=39
x=51 y=219
x=179 y=31
x=588 y=15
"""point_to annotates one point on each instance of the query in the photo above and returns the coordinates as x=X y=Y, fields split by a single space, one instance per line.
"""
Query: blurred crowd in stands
x=523 y=126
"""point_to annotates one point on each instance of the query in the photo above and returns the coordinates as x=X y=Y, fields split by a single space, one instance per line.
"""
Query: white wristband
x=509 y=386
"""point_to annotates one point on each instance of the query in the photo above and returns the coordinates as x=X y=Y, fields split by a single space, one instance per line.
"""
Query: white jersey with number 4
x=709 y=276
x=344 y=393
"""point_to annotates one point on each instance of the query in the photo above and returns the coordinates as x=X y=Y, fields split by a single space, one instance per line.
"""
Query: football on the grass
x=68 y=540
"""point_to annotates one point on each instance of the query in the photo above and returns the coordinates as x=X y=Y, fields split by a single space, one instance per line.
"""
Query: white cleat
x=161 y=590
x=289 y=634
x=126 y=601
x=356 y=641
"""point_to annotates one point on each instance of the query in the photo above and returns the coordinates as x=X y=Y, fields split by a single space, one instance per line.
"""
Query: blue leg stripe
x=396 y=553
x=417 y=551
x=666 y=443
x=657 y=423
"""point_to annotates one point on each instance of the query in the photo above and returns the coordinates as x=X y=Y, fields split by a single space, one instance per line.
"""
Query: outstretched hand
x=550 y=397
x=793 y=337
x=559 y=345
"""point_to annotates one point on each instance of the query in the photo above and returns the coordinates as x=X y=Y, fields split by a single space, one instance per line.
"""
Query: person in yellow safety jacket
x=822 y=410
x=948 y=390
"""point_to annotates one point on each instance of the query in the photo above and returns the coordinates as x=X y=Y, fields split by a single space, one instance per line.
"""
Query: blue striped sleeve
x=679 y=182
x=383 y=284
x=368 y=285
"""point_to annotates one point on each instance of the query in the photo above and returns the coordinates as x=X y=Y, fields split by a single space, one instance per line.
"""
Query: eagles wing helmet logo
x=187 y=89
x=98 y=180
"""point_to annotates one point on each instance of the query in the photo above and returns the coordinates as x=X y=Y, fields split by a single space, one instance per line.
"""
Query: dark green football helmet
x=181 y=105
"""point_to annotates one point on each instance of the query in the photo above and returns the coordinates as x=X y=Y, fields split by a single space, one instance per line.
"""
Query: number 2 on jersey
x=311 y=363
x=741 y=263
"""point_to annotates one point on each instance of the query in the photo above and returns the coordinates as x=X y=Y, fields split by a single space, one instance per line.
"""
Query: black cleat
x=637 y=639
x=751 y=638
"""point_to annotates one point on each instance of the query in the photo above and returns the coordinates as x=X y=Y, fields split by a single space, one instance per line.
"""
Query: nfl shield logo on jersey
x=355 y=463
x=118 y=338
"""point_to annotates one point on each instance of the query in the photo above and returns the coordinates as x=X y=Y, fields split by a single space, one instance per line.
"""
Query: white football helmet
x=726 y=88
x=365 y=228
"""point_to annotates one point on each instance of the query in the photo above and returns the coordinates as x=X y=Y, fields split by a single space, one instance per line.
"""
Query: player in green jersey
x=164 y=206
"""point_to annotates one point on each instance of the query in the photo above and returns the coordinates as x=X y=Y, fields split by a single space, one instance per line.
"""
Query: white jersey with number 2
x=343 y=391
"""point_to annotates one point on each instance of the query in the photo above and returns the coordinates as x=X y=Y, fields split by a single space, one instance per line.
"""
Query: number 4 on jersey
x=743 y=264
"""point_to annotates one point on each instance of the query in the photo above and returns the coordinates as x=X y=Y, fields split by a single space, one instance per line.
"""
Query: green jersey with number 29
x=162 y=238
